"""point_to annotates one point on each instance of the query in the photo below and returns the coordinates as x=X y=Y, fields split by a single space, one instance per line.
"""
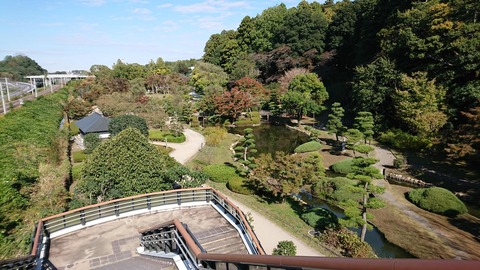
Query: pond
x=382 y=247
x=273 y=138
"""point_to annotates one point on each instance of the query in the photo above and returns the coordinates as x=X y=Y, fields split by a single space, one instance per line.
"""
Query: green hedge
x=437 y=200
x=402 y=140
x=220 y=173
x=237 y=185
x=310 y=146
x=343 y=166
x=159 y=136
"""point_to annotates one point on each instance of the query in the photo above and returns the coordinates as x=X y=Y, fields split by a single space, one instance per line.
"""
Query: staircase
x=221 y=240
x=141 y=263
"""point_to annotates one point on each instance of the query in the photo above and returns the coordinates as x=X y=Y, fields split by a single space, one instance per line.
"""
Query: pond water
x=273 y=138
x=382 y=247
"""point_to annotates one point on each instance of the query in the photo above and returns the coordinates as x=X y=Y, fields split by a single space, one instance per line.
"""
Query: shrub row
x=237 y=185
x=159 y=136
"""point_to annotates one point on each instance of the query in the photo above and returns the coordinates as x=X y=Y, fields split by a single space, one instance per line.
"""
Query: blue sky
x=76 y=34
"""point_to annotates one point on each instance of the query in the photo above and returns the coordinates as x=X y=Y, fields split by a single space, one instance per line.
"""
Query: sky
x=63 y=35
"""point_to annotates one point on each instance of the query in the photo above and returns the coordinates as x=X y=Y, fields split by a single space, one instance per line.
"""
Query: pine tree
x=334 y=124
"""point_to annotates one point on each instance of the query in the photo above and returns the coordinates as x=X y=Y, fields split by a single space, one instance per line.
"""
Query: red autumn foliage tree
x=232 y=103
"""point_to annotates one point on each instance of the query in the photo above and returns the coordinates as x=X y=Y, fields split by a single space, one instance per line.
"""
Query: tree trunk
x=245 y=154
x=364 y=214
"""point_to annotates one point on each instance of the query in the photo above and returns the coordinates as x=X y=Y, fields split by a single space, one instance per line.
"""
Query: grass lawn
x=286 y=215
x=214 y=154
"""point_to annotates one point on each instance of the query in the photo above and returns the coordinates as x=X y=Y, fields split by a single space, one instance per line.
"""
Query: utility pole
x=8 y=91
x=3 y=100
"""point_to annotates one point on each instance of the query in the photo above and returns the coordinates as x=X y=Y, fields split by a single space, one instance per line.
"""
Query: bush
x=91 y=141
x=285 y=248
x=348 y=242
x=403 y=141
x=79 y=156
x=398 y=162
x=437 y=200
x=310 y=146
x=123 y=122
x=320 y=219
x=220 y=173
x=343 y=166
x=237 y=185
x=77 y=171
x=74 y=130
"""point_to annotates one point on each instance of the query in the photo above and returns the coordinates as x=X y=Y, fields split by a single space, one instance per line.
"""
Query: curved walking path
x=268 y=232
x=183 y=152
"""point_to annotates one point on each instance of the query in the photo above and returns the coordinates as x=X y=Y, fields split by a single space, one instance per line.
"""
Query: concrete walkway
x=270 y=233
x=183 y=152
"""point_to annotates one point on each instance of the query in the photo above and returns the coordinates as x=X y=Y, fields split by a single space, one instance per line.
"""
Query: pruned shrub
x=398 y=162
x=162 y=136
x=310 y=146
x=220 y=173
x=320 y=218
x=237 y=185
x=91 y=141
x=343 y=166
x=437 y=200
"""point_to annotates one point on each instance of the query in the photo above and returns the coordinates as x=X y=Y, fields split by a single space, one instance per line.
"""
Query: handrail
x=244 y=222
x=308 y=262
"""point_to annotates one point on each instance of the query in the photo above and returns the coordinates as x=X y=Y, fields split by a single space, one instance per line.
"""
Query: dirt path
x=183 y=152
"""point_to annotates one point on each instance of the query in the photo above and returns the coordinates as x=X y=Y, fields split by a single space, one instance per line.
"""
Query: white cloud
x=167 y=5
x=168 y=26
x=211 y=6
x=141 y=11
x=92 y=2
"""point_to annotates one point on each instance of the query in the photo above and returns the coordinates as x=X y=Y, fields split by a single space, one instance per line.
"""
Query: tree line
x=412 y=64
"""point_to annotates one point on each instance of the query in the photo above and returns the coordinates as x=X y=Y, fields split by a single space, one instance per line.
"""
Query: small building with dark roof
x=94 y=123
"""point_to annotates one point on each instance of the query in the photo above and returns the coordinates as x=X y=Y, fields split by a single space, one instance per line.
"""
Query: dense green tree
x=117 y=124
x=306 y=93
x=125 y=165
x=419 y=104
x=19 y=66
x=334 y=124
x=373 y=88
x=284 y=174
x=91 y=141
x=269 y=24
x=137 y=88
x=304 y=28
x=464 y=143
x=364 y=123
x=285 y=248
x=206 y=76
x=223 y=50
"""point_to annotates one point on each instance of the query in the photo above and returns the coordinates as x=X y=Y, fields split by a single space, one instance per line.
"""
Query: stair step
x=224 y=246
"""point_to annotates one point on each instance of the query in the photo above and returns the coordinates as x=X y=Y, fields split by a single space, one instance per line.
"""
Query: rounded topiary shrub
x=237 y=185
x=310 y=146
x=343 y=166
x=320 y=218
x=437 y=200
x=220 y=173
